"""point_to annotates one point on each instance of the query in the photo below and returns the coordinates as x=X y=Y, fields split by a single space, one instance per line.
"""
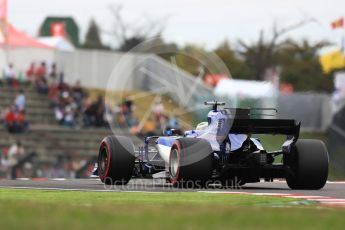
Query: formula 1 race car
x=219 y=151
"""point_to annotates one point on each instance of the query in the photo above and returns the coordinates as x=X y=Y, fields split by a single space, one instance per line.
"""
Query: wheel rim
x=103 y=163
x=174 y=163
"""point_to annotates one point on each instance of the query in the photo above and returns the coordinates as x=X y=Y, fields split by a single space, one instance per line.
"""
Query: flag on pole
x=339 y=23
x=332 y=61
x=3 y=10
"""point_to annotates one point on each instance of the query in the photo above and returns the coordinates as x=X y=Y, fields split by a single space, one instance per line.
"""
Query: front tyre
x=308 y=162
x=116 y=160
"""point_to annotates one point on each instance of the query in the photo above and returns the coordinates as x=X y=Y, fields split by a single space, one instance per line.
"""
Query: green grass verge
x=36 y=209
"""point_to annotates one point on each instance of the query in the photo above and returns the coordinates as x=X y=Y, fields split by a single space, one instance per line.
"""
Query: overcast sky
x=206 y=22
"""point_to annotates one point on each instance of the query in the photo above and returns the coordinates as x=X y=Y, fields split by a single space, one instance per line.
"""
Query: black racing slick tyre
x=116 y=160
x=190 y=163
x=308 y=162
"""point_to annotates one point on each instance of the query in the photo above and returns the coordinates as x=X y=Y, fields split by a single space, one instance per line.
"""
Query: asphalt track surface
x=332 y=189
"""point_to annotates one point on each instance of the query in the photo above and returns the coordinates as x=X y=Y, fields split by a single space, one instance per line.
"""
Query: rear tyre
x=190 y=163
x=308 y=162
x=116 y=160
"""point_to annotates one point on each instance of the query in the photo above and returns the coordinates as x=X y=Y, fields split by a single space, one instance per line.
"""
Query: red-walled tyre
x=190 y=163
x=116 y=160
x=308 y=162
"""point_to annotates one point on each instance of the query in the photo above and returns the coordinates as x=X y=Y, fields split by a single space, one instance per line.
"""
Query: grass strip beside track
x=36 y=209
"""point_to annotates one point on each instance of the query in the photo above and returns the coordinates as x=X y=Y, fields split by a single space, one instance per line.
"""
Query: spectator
x=99 y=111
x=21 y=78
x=21 y=124
x=15 y=121
x=15 y=152
x=129 y=105
x=41 y=79
x=2 y=118
x=60 y=99
x=62 y=78
x=42 y=86
x=88 y=117
x=149 y=128
x=9 y=119
x=65 y=96
x=10 y=76
x=54 y=94
x=78 y=93
x=71 y=102
x=125 y=112
x=5 y=164
x=94 y=113
x=30 y=72
x=121 y=120
x=109 y=114
x=69 y=117
x=59 y=114
x=41 y=72
x=20 y=101
x=53 y=73
x=158 y=109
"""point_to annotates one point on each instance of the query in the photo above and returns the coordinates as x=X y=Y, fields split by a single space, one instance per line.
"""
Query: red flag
x=338 y=23
x=3 y=10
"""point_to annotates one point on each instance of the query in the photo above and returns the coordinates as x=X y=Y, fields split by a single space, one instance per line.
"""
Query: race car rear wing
x=265 y=126
x=243 y=122
x=250 y=112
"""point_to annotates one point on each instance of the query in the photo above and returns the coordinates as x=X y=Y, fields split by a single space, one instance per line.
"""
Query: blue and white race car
x=219 y=151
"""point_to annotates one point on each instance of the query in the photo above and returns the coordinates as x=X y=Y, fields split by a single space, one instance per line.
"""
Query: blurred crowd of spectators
x=164 y=121
x=67 y=102
x=155 y=122
x=16 y=163
x=71 y=104
x=9 y=158
x=73 y=107
x=13 y=117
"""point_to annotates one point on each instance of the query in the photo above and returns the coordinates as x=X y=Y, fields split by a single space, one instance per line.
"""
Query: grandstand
x=51 y=146
x=51 y=142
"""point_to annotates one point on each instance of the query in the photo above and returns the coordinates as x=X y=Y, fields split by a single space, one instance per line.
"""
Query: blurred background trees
x=301 y=67
x=235 y=62
x=130 y=34
x=297 y=62
x=93 y=38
